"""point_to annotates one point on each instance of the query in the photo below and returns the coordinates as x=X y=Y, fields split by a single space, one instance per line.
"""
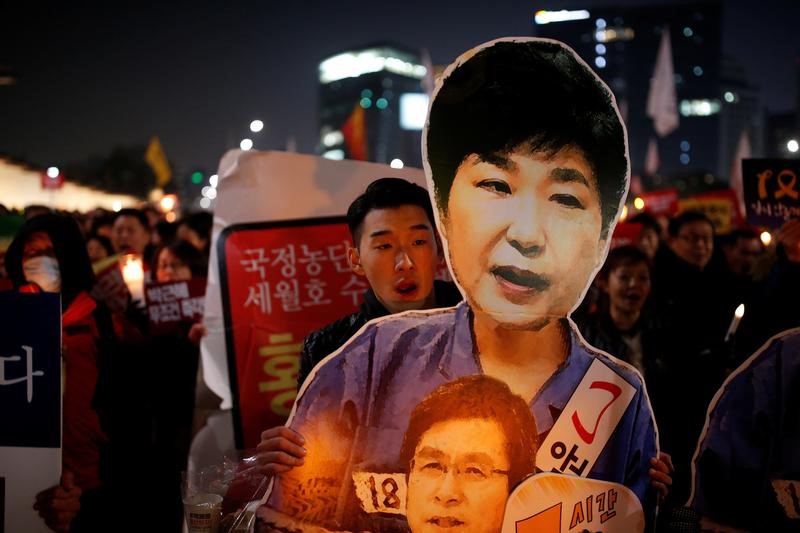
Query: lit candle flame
x=638 y=203
x=133 y=274
x=766 y=238
x=739 y=313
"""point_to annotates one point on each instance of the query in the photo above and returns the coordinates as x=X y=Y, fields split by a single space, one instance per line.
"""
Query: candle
x=133 y=274
x=737 y=317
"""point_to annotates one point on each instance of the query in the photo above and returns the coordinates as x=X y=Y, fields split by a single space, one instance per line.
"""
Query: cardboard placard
x=555 y=503
x=175 y=302
x=721 y=207
x=771 y=191
x=626 y=234
x=427 y=419
x=282 y=280
x=30 y=393
x=661 y=202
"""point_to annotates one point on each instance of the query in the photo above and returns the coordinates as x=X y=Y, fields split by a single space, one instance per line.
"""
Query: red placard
x=175 y=302
x=626 y=234
x=280 y=281
x=661 y=202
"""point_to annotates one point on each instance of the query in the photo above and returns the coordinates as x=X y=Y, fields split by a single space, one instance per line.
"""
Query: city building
x=372 y=105
x=714 y=99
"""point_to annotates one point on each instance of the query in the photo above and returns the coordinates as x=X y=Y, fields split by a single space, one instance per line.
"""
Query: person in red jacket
x=49 y=254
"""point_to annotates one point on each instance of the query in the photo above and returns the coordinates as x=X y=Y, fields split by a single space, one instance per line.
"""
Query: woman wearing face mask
x=49 y=254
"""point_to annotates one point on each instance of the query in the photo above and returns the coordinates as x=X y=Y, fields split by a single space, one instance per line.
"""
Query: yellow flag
x=154 y=155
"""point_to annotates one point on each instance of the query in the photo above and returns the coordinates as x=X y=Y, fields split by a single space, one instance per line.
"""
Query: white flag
x=651 y=159
x=662 y=102
x=429 y=81
x=742 y=152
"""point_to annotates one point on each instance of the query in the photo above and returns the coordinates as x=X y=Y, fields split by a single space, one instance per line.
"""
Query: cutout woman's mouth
x=524 y=279
x=445 y=521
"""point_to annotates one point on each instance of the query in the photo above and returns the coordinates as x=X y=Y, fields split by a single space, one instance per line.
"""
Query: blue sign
x=30 y=370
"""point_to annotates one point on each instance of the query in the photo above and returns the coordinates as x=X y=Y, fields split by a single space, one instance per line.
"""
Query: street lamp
x=256 y=126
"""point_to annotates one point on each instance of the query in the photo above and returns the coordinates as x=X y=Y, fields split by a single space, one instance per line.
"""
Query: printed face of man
x=523 y=233
x=128 y=235
x=459 y=478
x=694 y=243
x=398 y=254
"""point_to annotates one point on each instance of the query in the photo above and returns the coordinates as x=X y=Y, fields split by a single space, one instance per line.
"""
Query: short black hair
x=534 y=94
x=623 y=255
x=386 y=193
x=482 y=397
x=732 y=238
x=647 y=221
x=687 y=217
x=135 y=213
x=188 y=255
x=200 y=222
x=70 y=250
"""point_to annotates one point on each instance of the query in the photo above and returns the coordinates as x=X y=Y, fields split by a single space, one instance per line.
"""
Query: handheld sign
x=30 y=395
x=282 y=280
x=771 y=191
x=554 y=503
x=526 y=189
x=175 y=302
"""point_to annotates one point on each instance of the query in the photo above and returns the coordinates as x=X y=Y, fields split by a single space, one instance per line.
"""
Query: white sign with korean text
x=587 y=422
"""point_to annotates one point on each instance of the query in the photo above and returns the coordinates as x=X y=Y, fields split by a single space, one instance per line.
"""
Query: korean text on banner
x=280 y=281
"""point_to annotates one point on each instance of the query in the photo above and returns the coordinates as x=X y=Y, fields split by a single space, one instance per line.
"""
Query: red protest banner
x=280 y=281
x=721 y=206
x=174 y=302
x=661 y=202
x=626 y=234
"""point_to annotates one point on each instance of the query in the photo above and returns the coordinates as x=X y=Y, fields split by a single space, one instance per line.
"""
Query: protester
x=396 y=248
x=49 y=252
x=196 y=230
x=98 y=247
x=527 y=194
x=131 y=233
x=741 y=248
x=179 y=261
x=620 y=326
x=693 y=302
x=650 y=237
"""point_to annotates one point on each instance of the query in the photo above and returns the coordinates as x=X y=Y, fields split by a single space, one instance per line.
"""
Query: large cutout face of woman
x=527 y=159
x=524 y=233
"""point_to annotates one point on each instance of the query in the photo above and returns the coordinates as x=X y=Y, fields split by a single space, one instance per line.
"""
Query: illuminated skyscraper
x=715 y=102
x=372 y=105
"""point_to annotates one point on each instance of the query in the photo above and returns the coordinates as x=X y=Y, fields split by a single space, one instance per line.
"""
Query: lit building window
x=699 y=108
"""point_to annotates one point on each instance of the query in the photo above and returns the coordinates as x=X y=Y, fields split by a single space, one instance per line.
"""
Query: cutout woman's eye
x=495 y=185
x=567 y=200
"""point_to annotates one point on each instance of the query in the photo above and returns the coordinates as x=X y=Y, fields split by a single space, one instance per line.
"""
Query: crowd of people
x=526 y=208
x=128 y=394
x=663 y=304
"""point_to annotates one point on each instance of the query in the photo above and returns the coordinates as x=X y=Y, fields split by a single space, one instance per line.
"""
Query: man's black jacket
x=324 y=341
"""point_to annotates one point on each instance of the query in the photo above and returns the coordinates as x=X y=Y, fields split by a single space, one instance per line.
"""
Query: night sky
x=196 y=73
